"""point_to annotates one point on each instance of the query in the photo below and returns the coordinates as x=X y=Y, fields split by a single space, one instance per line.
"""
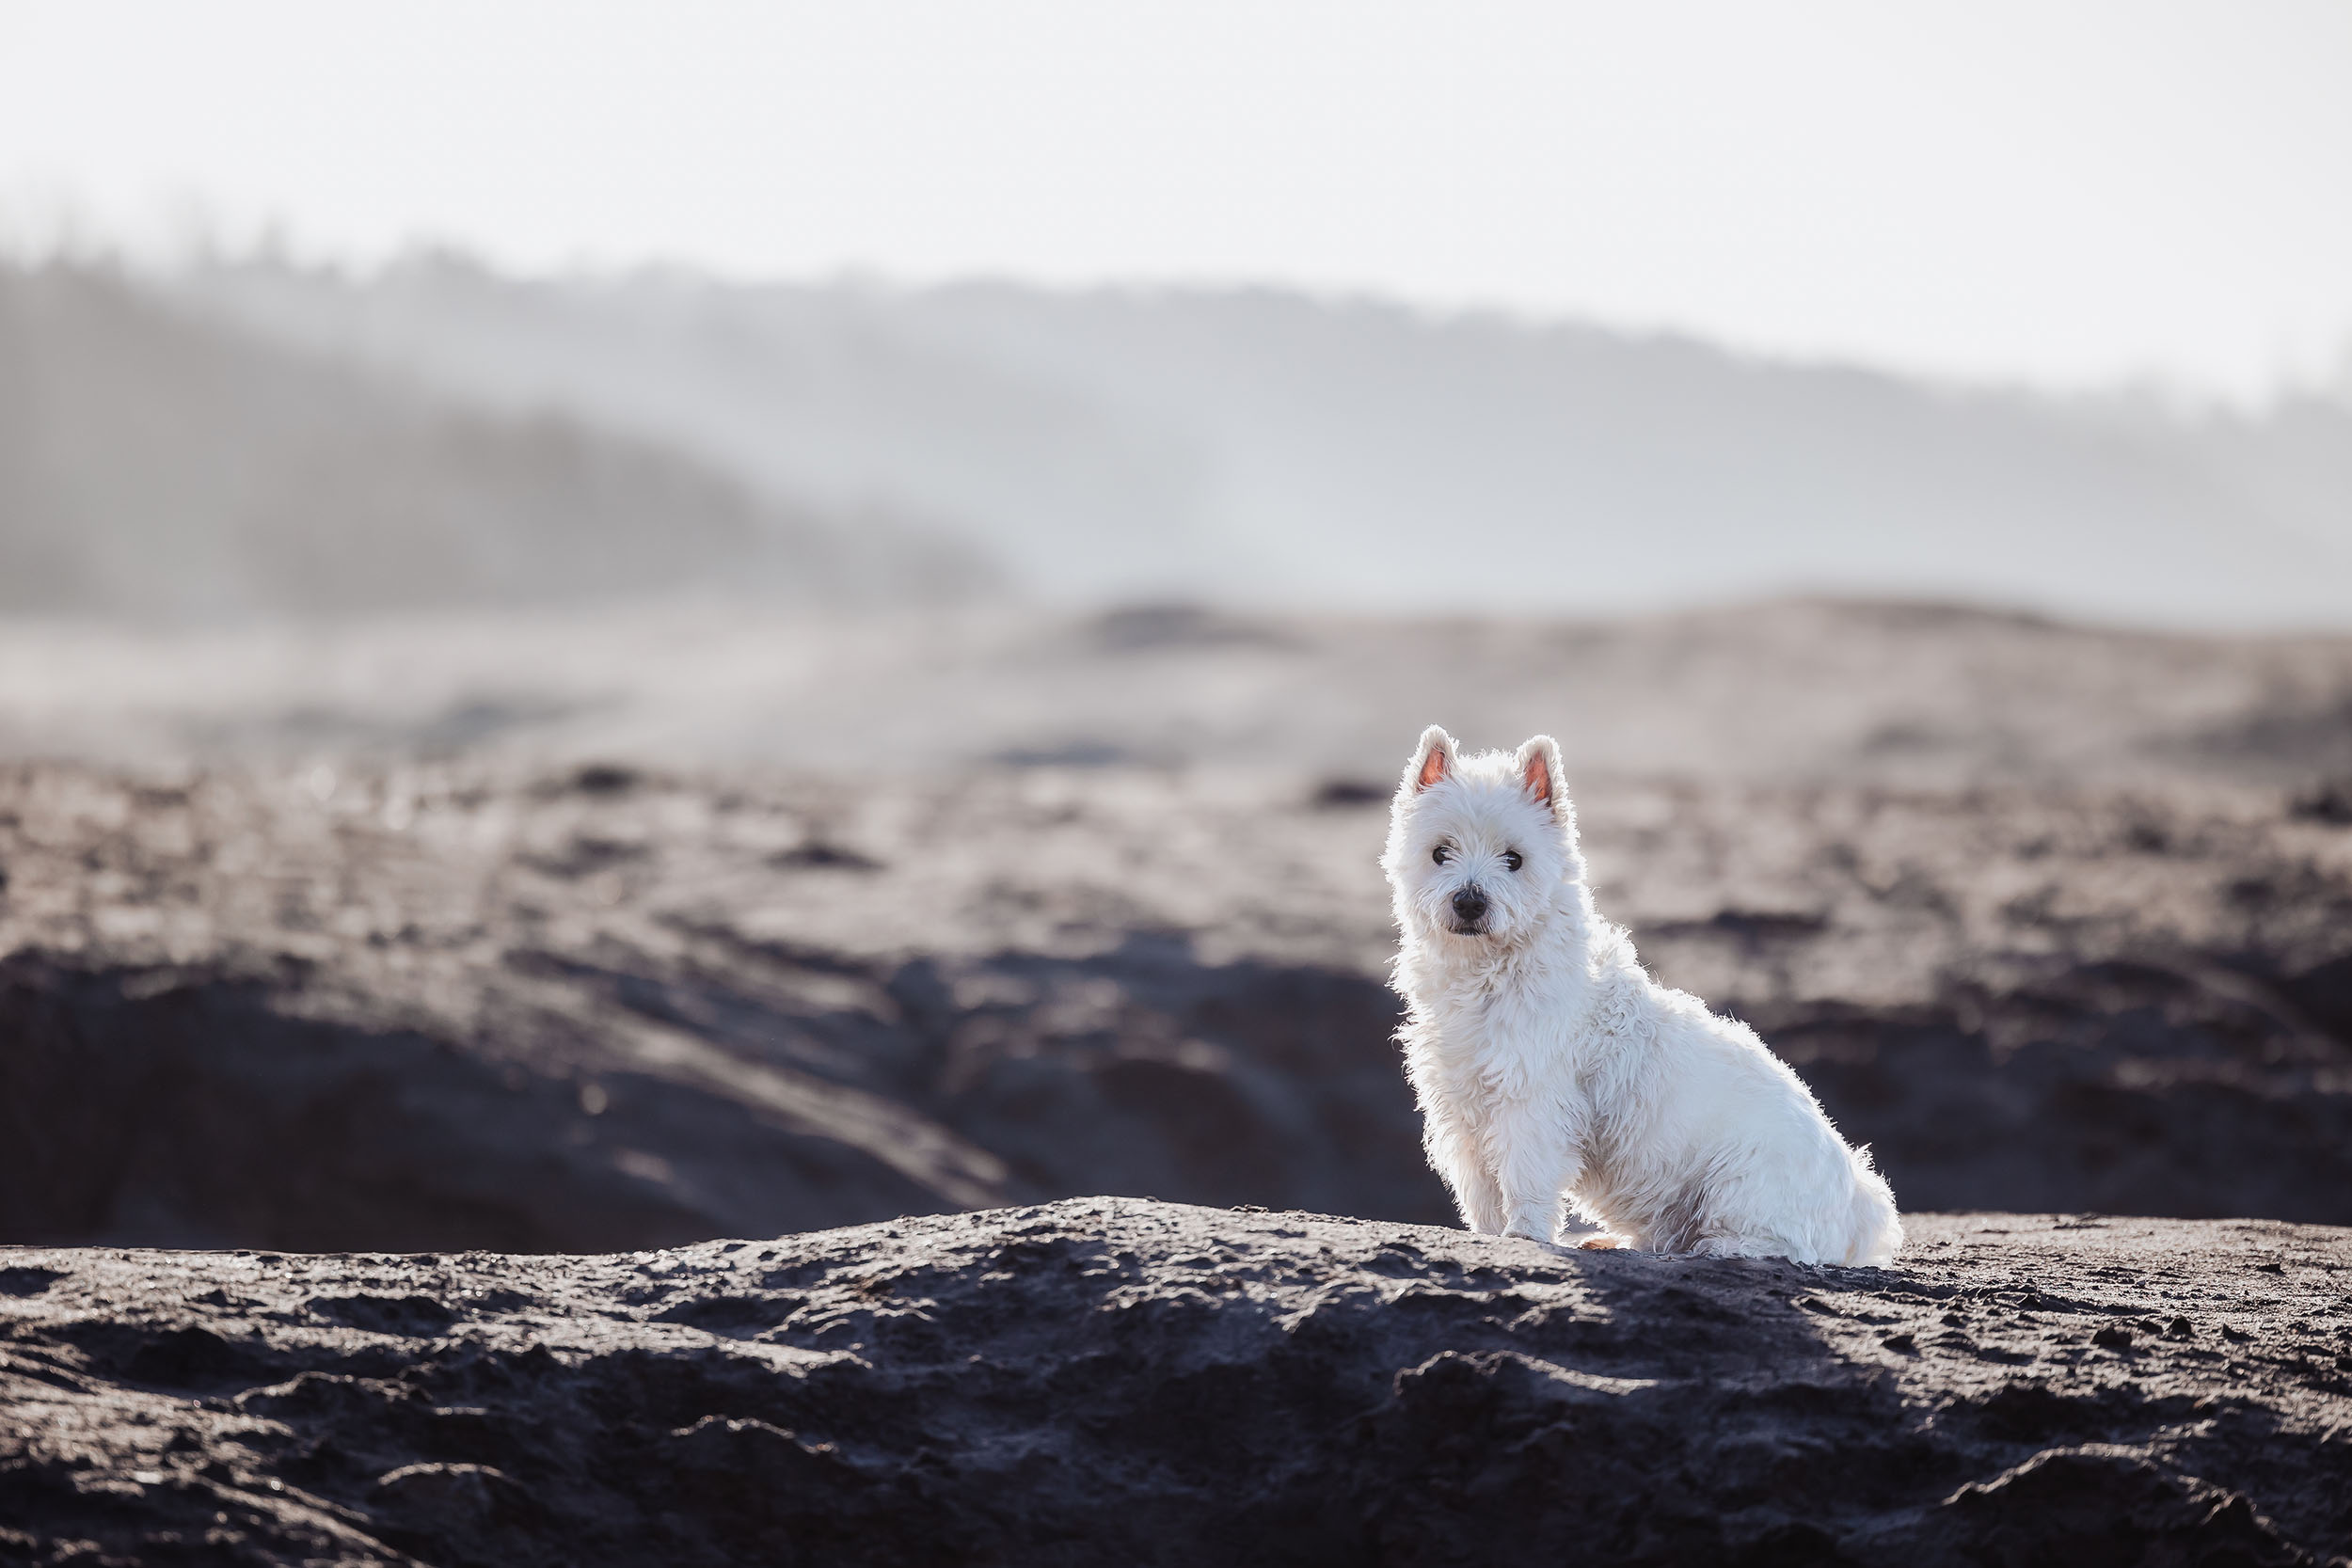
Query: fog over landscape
x=434 y=433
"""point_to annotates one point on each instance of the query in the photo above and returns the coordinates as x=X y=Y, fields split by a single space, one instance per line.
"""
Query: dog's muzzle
x=1469 y=912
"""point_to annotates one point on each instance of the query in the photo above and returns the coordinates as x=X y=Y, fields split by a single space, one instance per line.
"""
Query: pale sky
x=2066 y=192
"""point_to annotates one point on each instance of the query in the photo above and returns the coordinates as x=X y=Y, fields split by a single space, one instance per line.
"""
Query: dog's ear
x=1433 y=760
x=1539 y=771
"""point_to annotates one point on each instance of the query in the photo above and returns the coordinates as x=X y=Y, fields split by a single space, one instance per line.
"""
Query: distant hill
x=1263 y=447
x=152 y=462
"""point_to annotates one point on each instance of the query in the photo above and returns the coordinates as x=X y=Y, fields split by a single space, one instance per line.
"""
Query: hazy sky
x=2061 y=190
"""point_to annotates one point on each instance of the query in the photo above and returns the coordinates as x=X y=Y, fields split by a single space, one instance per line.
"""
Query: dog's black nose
x=1469 y=906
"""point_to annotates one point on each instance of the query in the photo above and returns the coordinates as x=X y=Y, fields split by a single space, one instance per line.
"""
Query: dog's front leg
x=1453 y=1154
x=1535 y=1160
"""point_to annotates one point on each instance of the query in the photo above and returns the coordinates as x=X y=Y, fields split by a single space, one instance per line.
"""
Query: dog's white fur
x=1549 y=1065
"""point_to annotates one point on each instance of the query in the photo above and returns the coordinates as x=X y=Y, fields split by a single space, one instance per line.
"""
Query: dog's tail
x=1877 y=1229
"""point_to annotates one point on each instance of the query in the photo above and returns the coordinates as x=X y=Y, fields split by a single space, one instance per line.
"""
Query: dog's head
x=1479 y=846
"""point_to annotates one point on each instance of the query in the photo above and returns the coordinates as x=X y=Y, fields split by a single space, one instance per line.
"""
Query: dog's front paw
x=1603 y=1242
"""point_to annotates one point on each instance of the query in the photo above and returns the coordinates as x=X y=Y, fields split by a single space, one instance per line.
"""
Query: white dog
x=1549 y=1065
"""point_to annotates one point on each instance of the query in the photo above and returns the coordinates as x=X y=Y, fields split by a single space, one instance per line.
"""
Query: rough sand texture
x=631 y=931
x=446 y=1007
x=1118 y=1379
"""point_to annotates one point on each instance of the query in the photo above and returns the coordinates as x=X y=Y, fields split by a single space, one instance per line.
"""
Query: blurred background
x=625 y=623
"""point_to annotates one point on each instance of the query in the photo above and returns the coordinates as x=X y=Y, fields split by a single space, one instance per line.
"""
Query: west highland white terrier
x=1549 y=1065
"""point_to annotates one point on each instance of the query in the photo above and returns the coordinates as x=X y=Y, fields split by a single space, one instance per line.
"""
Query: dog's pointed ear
x=1539 y=771
x=1433 y=760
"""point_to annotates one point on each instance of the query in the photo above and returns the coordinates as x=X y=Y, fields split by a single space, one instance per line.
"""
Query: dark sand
x=581 y=935
x=445 y=1007
x=1137 y=1382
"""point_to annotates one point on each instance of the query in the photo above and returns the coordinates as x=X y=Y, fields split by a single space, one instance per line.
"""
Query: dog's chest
x=1490 y=1039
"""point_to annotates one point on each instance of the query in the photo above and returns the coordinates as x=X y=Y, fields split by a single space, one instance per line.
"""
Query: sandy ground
x=834 y=921
x=366 y=948
x=446 y=1005
x=1119 y=1380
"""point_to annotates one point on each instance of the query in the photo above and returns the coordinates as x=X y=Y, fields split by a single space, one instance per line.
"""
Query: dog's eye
x=1511 y=859
x=1442 y=853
